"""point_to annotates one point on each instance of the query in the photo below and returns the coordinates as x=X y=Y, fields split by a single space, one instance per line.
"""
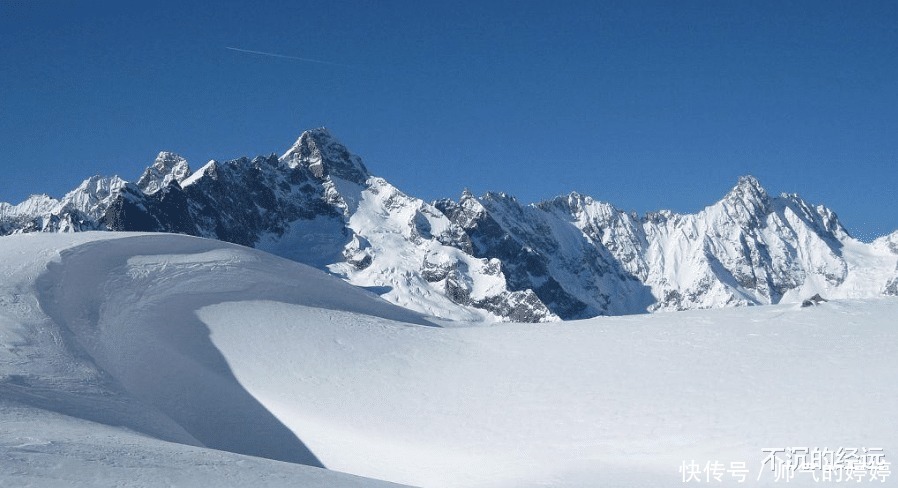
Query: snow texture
x=148 y=359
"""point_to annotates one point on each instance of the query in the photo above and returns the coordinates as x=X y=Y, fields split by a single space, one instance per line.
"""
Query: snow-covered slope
x=106 y=376
x=583 y=257
x=487 y=258
x=542 y=250
x=126 y=357
x=79 y=210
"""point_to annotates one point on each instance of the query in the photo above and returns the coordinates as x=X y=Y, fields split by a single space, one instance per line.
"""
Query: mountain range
x=490 y=257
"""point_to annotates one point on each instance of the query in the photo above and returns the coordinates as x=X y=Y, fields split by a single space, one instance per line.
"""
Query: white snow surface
x=78 y=210
x=108 y=378
x=154 y=359
x=389 y=220
x=747 y=249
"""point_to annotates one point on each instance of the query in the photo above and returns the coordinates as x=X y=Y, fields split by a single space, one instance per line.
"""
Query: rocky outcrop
x=488 y=257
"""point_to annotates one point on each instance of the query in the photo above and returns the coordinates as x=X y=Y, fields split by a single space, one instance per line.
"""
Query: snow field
x=151 y=359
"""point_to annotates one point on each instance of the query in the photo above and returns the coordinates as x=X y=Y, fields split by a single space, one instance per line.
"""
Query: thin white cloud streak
x=284 y=56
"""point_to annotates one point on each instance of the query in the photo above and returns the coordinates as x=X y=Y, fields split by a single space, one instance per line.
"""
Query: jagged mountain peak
x=749 y=181
x=166 y=168
x=490 y=256
x=574 y=199
x=660 y=216
x=207 y=169
x=470 y=202
x=824 y=220
x=325 y=156
x=500 y=197
x=168 y=158
x=98 y=185
x=746 y=204
x=748 y=188
x=575 y=196
x=92 y=197
x=574 y=202
x=34 y=204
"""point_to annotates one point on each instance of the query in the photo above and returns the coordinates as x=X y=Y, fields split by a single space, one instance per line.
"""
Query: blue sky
x=647 y=105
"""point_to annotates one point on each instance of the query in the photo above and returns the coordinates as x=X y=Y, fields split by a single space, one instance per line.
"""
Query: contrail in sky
x=284 y=56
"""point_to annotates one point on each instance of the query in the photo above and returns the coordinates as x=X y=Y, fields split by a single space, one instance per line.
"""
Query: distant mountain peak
x=748 y=187
x=487 y=257
x=749 y=180
x=321 y=152
x=166 y=168
x=99 y=186
x=748 y=202
x=577 y=200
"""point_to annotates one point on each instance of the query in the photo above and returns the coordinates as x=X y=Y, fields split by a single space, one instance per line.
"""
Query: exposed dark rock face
x=478 y=258
x=813 y=301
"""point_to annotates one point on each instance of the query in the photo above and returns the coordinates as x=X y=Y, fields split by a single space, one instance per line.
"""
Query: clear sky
x=647 y=105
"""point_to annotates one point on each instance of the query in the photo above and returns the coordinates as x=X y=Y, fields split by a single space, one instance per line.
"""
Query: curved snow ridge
x=106 y=373
x=131 y=304
x=123 y=311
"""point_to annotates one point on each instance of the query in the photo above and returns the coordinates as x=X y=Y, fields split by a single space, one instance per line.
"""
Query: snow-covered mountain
x=585 y=258
x=487 y=258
